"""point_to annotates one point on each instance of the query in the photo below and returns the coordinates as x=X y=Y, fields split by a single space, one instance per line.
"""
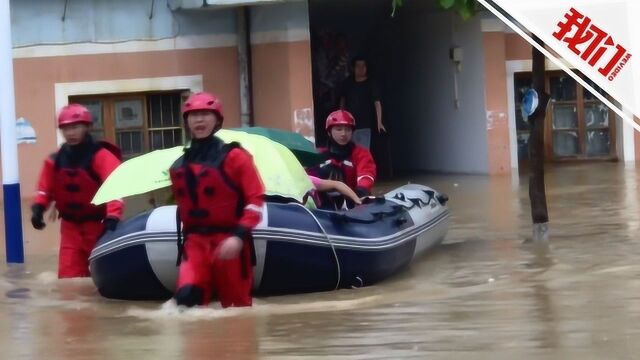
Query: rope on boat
x=333 y=248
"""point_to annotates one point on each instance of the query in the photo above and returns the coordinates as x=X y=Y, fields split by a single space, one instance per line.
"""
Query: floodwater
x=486 y=293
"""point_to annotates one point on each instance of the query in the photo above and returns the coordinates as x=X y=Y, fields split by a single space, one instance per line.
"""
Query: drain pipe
x=243 y=32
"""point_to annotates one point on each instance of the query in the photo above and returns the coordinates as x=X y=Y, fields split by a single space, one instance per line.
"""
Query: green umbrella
x=279 y=169
x=302 y=148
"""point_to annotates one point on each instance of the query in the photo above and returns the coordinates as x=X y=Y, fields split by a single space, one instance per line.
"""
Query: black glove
x=110 y=224
x=362 y=192
x=37 y=217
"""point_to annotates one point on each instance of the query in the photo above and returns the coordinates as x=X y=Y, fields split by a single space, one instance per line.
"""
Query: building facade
x=133 y=63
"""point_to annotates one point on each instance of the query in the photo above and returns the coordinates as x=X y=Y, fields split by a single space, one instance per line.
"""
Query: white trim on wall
x=628 y=138
x=64 y=90
x=493 y=24
x=511 y=114
x=270 y=37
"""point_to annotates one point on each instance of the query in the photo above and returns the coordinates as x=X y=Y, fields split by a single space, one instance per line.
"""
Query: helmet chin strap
x=341 y=151
x=217 y=127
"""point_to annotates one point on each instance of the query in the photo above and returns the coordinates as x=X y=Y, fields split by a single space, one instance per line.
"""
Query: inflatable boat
x=297 y=249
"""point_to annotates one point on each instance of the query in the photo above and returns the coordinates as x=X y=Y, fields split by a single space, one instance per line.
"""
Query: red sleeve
x=43 y=194
x=365 y=168
x=242 y=172
x=104 y=162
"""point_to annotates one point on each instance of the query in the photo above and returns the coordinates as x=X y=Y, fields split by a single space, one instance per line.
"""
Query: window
x=165 y=122
x=137 y=123
x=598 y=129
x=129 y=126
x=580 y=123
x=564 y=115
x=95 y=107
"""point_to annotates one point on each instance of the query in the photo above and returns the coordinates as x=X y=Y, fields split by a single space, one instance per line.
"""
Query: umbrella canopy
x=279 y=169
x=303 y=149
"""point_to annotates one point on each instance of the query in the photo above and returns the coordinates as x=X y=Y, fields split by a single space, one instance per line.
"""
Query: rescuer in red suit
x=71 y=177
x=346 y=161
x=220 y=197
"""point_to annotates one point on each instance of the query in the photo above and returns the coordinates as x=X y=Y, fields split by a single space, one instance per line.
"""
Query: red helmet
x=340 y=117
x=203 y=101
x=74 y=113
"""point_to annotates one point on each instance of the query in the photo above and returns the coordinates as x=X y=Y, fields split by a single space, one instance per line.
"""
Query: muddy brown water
x=485 y=293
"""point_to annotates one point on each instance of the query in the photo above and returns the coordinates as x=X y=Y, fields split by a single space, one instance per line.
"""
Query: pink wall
x=496 y=103
x=281 y=82
x=35 y=96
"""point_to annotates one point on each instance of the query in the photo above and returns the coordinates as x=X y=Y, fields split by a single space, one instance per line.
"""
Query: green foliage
x=395 y=5
x=465 y=8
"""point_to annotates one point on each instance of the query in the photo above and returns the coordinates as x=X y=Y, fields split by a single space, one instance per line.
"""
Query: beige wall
x=281 y=82
x=517 y=48
x=494 y=45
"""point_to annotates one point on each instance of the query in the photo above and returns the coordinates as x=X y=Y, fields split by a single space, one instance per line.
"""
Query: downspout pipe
x=243 y=32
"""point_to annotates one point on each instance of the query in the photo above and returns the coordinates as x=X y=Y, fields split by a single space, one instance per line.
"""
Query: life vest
x=340 y=170
x=207 y=199
x=76 y=184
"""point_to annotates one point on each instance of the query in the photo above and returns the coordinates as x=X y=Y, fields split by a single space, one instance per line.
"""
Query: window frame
x=110 y=130
x=581 y=129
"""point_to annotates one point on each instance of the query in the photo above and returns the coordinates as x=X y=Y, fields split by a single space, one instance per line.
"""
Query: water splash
x=170 y=310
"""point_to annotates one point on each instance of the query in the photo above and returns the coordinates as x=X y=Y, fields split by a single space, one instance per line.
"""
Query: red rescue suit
x=358 y=167
x=71 y=177
x=219 y=195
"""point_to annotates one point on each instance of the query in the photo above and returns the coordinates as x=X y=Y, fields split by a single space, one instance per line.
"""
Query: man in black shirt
x=361 y=97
